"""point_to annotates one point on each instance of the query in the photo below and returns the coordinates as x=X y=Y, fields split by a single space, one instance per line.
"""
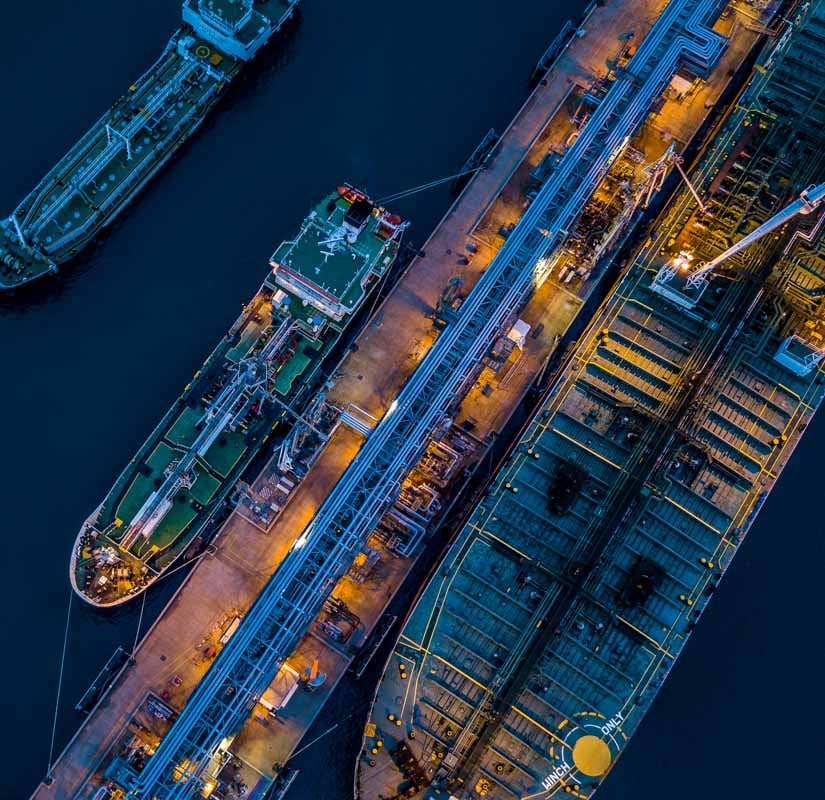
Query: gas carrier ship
x=95 y=180
x=543 y=636
x=260 y=381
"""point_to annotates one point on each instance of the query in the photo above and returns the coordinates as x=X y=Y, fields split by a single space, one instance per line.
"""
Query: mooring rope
x=60 y=680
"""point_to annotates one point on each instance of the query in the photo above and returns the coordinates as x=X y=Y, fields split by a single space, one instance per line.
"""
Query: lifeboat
x=350 y=195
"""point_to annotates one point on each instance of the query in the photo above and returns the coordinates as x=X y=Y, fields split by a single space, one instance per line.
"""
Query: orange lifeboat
x=349 y=194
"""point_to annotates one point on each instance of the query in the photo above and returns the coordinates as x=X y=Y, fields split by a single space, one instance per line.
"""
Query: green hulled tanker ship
x=259 y=379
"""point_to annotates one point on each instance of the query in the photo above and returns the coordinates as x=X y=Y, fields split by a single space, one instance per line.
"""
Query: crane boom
x=807 y=202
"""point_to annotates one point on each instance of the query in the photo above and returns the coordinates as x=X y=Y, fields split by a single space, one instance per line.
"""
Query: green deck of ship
x=182 y=432
x=290 y=372
x=202 y=491
x=225 y=453
x=215 y=465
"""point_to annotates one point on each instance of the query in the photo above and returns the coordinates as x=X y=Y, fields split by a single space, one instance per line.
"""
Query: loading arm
x=807 y=202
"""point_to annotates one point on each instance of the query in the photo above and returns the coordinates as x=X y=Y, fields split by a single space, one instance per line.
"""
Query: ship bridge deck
x=247 y=27
x=322 y=266
x=545 y=633
x=238 y=27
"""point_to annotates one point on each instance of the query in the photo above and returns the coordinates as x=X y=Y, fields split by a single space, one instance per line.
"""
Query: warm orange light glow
x=182 y=771
x=682 y=260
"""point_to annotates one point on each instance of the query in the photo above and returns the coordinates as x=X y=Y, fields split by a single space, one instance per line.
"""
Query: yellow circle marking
x=202 y=51
x=591 y=755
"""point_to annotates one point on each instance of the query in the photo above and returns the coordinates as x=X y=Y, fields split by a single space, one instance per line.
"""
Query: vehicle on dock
x=116 y=157
x=255 y=385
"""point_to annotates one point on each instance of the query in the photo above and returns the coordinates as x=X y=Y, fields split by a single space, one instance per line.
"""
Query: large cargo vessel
x=262 y=377
x=95 y=180
x=543 y=636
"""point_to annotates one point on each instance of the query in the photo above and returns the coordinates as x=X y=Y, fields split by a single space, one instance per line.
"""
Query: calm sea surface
x=386 y=95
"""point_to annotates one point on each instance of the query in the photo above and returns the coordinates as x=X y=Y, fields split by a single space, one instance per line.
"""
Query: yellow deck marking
x=541 y=727
x=461 y=672
x=408 y=682
x=591 y=755
x=586 y=448
x=506 y=544
x=692 y=515
x=749 y=457
x=444 y=661
x=658 y=647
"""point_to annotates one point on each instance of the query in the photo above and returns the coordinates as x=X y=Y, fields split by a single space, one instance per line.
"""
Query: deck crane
x=655 y=173
x=807 y=202
x=676 y=159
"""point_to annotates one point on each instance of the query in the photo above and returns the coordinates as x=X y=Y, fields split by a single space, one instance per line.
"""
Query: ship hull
x=260 y=388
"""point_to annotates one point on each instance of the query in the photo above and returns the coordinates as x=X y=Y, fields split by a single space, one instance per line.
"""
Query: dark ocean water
x=387 y=95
